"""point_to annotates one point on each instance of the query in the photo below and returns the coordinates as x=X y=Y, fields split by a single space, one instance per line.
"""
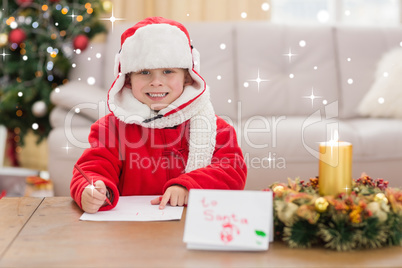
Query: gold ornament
x=321 y=204
x=3 y=39
x=107 y=6
x=278 y=189
x=380 y=197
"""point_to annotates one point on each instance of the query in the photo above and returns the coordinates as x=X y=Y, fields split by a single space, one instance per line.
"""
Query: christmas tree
x=37 y=42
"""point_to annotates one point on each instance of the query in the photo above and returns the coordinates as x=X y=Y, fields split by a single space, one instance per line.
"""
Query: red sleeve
x=227 y=169
x=100 y=162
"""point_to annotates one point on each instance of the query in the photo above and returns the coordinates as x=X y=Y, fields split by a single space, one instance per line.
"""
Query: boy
x=162 y=136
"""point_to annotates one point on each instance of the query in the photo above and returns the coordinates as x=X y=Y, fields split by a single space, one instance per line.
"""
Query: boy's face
x=158 y=88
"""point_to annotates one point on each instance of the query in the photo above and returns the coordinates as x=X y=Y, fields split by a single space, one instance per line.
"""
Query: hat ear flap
x=196 y=60
x=116 y=64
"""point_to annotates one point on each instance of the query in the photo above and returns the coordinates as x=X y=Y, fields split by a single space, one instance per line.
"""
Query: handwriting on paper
x=229 y=221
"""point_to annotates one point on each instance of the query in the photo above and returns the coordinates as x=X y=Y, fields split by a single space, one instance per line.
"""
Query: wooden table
x=47 y=232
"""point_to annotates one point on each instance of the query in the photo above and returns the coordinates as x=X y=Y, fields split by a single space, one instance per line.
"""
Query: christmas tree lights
x=38 y=40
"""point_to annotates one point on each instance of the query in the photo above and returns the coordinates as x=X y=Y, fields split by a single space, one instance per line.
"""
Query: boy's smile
x=158 y=88
x=157 y=95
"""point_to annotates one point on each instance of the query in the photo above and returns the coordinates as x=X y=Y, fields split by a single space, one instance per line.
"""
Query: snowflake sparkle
x=258 y=80
x=290 y=55
x=72 y=16
x=67 y=147
x=112 y=19
x=92 y=187
x=4 y=54
x=312 y=97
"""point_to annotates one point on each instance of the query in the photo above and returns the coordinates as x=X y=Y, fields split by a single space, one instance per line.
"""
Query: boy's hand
x=177 y=196
x=93 y=199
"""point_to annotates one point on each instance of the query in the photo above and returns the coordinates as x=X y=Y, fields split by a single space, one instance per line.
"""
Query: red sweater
x=133 y=160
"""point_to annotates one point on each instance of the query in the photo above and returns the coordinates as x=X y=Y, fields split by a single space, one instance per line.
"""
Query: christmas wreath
x=369 y=217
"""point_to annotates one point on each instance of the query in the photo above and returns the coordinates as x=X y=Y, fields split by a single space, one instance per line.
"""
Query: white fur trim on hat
x=196 y=60
x=116 y=64
x=156 y=46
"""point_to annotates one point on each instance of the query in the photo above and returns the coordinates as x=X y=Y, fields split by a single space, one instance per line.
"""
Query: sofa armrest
x=79 y=97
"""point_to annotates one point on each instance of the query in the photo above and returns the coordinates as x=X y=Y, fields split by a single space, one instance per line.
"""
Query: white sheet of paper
x=136 y=208
x=229 y=220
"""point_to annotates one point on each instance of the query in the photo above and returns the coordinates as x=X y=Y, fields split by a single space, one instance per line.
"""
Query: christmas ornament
x=24 y=3
x=17 y=36
x=321 y=204
x=380 y=197
x=67 y=50
x=3 y=39
x=80 y=42
x=39 y=109
x=278 y=189
x=107 y=6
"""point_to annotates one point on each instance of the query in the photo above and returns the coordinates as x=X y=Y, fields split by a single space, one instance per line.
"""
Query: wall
x=191 y=10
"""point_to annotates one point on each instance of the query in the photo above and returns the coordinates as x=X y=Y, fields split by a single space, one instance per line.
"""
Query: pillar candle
x=335 y=168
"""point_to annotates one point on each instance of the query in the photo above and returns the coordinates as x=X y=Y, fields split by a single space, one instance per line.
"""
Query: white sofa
x=278 y=124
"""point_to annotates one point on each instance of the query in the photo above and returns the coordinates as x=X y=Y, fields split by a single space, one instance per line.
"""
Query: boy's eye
x=144 y=72
x=167 y=71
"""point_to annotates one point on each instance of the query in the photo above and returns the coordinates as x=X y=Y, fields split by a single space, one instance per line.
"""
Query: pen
x=86 y=177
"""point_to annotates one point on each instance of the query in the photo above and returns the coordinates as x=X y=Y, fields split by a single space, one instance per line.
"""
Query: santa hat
x=161 y=43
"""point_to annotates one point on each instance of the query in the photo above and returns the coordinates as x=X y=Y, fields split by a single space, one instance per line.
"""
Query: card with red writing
x=229 y=220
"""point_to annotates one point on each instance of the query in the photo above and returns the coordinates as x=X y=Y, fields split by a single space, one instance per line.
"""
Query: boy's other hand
x=93 y=199
x=176 y=195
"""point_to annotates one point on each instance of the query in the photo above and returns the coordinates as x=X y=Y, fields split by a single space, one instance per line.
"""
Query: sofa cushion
x=384 y=98
x=217 y=52
x=265 y=50
x=359 y=50
x=379 y=139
